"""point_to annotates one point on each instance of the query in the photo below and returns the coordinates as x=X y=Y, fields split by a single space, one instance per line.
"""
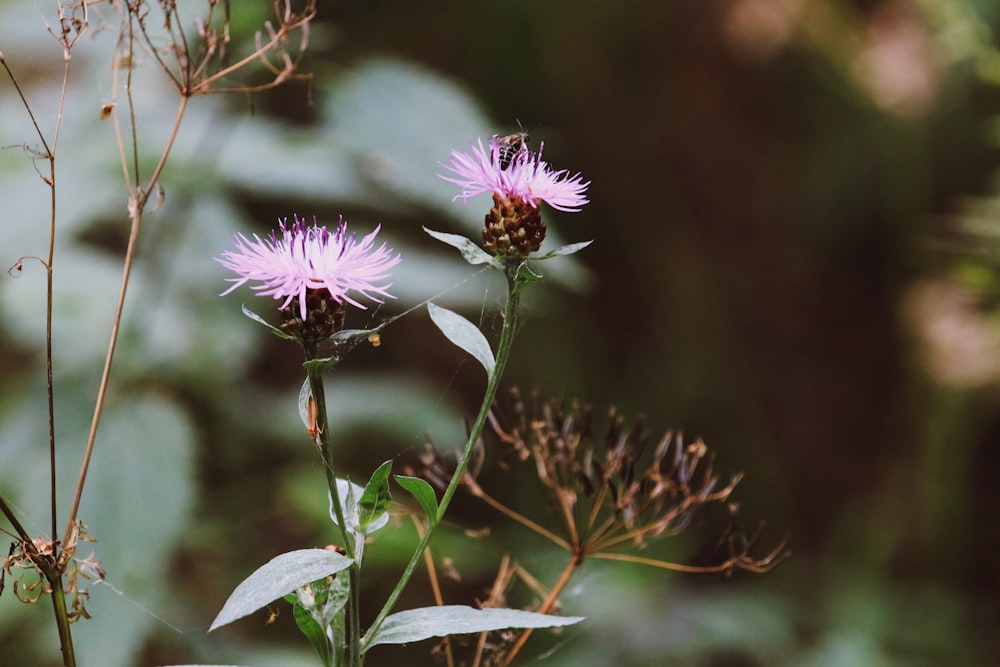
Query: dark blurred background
x=794 y=214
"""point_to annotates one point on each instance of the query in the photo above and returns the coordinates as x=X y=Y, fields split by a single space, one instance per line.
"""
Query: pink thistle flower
x=522 y=176
x=306 y=258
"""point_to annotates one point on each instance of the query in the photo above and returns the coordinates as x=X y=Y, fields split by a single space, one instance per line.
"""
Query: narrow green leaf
x=349 y=494
x=313 y=632
x=305 y=393
x=526 y=275
x=414 y=625
x=568 y=249
x=423 y=492
x=321 y=364
x=260 y=320
x=472 y=253
x=464 y=334
x=376 y=497
x=345 y=335
x=283 y=574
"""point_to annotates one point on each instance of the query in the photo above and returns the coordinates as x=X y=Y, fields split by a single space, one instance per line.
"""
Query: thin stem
x=478 y=492
x=53 y=574
x=49 y=293
x=18 y=528
x=318 y=391
x=315 y=374
x=62 y=619
x=137 y=206
x=665 y=565
x=435 y=588
x=514 y=287
x=49 y=383
x=504 y=574
x=50 y=181
x=547 y=604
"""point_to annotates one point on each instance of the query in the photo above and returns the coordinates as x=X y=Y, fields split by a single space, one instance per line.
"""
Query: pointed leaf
x=305 y=393
x=423 y=492
x=376 y=497
x=350 y=493
x=472 y=253
x=345 y=335
x=321 y=364
x=526 y=275
x=414 y=625
x=260 y=320
x=565 y=250
x=314 y=633
x=283 y=574
x=464 y=334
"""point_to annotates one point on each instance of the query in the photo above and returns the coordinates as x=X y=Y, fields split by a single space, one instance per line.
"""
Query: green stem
x=514 y=287
x=62 y=619
x=315 y=375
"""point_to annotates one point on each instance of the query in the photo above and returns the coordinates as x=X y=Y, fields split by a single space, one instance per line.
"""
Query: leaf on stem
x=260 y=320
x=314 y=633
x=345 y=335
x=463 y=334
x=472 y=253
x=414 y=625
x=320 y=364
x=350 y=493
x=423 y=492
x=305 y=412
x=282 y=575
x=568 y=249
x=376 y=497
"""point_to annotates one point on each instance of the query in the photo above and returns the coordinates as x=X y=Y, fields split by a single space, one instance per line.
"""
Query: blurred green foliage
x=795 y=220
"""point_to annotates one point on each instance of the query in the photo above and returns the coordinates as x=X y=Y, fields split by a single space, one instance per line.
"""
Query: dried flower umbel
x=610 y=492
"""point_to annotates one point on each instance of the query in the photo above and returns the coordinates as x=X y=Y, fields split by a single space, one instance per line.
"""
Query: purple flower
x=514 y=173
x=304 y=257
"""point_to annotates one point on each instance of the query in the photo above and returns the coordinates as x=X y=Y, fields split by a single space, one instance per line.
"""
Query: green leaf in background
x=414 y=625
x=137 y=503
x=405 y=117
x=281 y=575
x=472 y=253
x=464 y=334
x=423 y=492
x=376 y=497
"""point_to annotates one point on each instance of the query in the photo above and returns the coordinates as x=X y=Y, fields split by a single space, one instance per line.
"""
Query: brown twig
x=547 y=604
x=435 y=585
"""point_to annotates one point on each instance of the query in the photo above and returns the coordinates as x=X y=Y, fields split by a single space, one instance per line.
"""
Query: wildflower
x=519 y=180
x=299 y=262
